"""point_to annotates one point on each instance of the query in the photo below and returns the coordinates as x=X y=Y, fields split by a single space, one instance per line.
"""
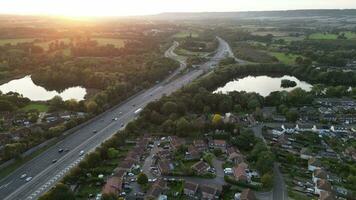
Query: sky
x=145 y=7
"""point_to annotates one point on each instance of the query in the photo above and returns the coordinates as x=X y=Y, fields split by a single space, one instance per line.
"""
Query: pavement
x=46 y=174
x=279 y=191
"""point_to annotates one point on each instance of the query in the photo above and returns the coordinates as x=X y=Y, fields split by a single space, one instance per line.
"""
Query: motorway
x=46 y=174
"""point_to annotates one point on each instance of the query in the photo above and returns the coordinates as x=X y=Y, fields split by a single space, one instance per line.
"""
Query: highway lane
x=45 y=173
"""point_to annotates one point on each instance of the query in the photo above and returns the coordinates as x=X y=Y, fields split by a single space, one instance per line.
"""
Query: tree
x=217 y=119
x=245 y=141
x=56 y=103
x=91 y=106
x=142 y=179
x=169 y=108
x=59 y=192
x=265 y=162
x=292 y=115
x=113 y=153
x=183 y=126
x=7 y=106
x=267 y=180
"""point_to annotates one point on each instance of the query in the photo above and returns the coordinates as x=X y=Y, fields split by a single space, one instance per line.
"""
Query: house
x=305 y=154
x=201 y=145
x=246 y=194
x=218 y=144
x=165 y=167
x=324 y=195
x=209 y=192
x=236 y=158
x=156 y=190
x=164 y=154
x=240 y=173
x=322 y=185
x=113 y=186
x=190 y=188
x=319 y=174
x=175 y=142
x=313 y=164
x=351 y=152
x=200 y=167
x=127 y=164
x=192 y=153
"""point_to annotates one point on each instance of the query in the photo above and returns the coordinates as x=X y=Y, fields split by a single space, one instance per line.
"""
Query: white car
x=23 y=176
x=81 y=153
x=28 y=179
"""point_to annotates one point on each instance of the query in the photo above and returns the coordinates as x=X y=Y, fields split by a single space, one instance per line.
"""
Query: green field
x=36 y=106
x=118 y=43
x=184 y=34
x=283 y=58
x=15 y=41
x=45 y=45
x=329 y=36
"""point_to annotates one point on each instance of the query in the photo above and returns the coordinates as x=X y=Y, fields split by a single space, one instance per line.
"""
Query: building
x=201 y=145
x=319 y=174
x=240 y=173
x=246 y=194
x=190 y=188
x=313 y=164
x=192 y=153
x=322 y=185
x=165 y=167
x=200 y=167
x=113 y=186
x=218 y=144
x=209 y=192
x=324 y=195
x=305 y=154
x=157 y=190
x=175 y=142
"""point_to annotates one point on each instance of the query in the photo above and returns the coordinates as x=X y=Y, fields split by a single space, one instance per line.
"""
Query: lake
x=27 y=88
x=262 y=85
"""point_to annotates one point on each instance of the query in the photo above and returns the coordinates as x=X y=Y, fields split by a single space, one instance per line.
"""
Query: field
x=329 y=36
x=118 y=43
x=45 y=45
x=184 y=34
x=283 y=58
x=36 y=106
x=15 y=41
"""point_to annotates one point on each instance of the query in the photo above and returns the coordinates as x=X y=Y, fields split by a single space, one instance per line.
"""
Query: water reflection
x=27 y=88
x=263 y=85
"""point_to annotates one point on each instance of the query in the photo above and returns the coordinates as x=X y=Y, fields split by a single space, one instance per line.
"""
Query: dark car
x=60 y=150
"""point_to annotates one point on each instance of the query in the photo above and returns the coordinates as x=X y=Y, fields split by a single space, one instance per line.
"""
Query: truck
x=138 y=111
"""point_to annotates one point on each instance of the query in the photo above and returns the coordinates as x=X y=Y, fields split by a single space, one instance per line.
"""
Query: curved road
x=46 y=174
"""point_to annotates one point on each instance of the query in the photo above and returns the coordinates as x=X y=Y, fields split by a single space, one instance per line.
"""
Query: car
x=95 y=131
x=81 y=153
x=23 y=176
x=54 y=161
x=131 y=174
x=120 y=113
x=28 y=179
x=67 y=150
x=122 y=124
x=60 y=150
x=114 y=119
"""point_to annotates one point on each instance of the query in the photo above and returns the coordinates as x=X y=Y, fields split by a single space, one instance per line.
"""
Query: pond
x=27 y=88
x=262 y=85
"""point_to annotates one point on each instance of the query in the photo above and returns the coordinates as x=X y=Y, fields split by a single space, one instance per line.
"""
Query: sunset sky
x=143 y=7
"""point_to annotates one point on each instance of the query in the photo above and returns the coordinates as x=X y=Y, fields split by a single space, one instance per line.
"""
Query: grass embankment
x=330 y=36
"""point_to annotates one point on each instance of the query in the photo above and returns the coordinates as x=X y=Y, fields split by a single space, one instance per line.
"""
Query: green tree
x=169 y=108
x=292 y=115
x=91 y=106
x=142 y=179
x=113 y=153
x=183 y=126
x=267 y=180
x=59 y=192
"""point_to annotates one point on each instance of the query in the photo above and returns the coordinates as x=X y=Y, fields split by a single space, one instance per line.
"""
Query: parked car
x=60 y=150
x=28 y=179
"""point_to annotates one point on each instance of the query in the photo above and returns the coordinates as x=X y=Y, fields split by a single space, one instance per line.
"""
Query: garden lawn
x=15 y=41
x=36 y=106
x=184 y=34
x=118 y=43
x=284 y=58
